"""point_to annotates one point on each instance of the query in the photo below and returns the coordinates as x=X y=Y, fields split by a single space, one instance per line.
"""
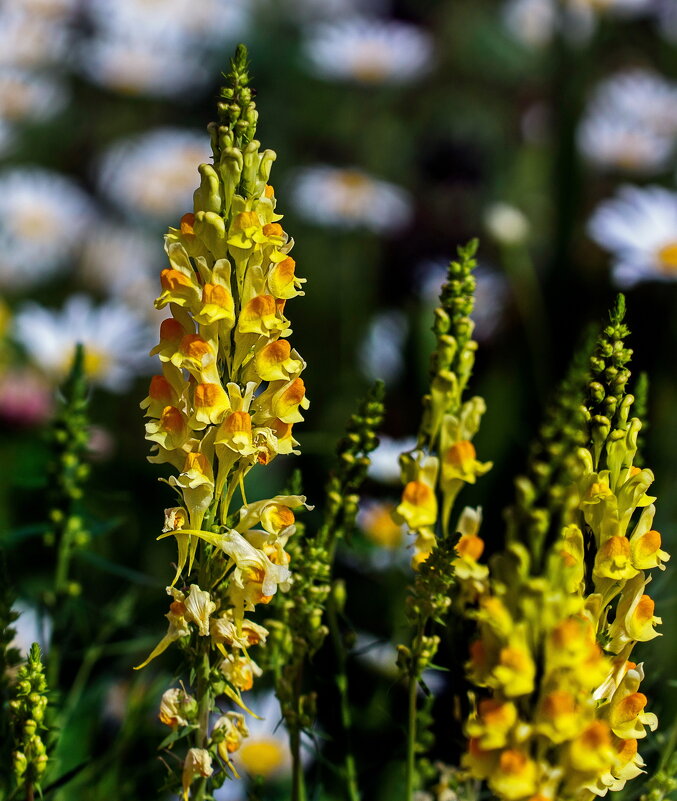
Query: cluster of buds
x=445 y=459
x=27 y=713
x=228 y=397
x=561 y=713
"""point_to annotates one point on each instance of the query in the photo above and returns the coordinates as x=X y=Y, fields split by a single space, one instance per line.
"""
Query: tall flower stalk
x=559 y=712
x=227 y=399
x=433 y=474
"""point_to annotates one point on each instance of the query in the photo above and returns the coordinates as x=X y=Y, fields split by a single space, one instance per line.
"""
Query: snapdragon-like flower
x=369 y=51
x=638 y=226
x=226 y=400
x=350 y=198
x=559 y=713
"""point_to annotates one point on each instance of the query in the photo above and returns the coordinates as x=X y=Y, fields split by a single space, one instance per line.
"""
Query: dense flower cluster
x=228 y=397
x=561 y=714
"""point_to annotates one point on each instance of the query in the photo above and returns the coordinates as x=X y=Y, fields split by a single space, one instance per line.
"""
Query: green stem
x=349 y=767
x=298 y=787
x=204 y=705
x=412 y=709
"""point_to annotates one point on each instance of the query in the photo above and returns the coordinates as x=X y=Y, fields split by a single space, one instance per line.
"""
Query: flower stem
x=204 y=703
x=412 y=732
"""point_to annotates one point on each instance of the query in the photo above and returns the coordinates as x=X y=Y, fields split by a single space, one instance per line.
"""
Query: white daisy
x=381 y=352
x=640 y=96
x=385 y=460
x=610 y=142
x=369 y=51
x=350 y=198
x=135 y=66
x=639 y=226
x=154 y=174
x=29 y=40
x=491 y=294
x=116 y=341
x=122 y=263
x=42 y=218
x=27 y=96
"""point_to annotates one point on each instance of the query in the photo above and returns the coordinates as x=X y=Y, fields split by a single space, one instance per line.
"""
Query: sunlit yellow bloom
x=229 y=730
x=226 y=630
x=492 y=723
x=558 y=716
x=626 y=711
x=160 y=394
x=480 y=761
x=635 y=619
x=591 y=753
x=515 y=672
x=240 y=671
x=170 y=431
x=613 y=560
x=196 y=481
x=276 y=362
x=210 y=403
x=514 y=776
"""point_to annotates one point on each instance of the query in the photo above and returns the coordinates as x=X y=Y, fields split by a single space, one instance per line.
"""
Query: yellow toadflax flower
x=226 y=400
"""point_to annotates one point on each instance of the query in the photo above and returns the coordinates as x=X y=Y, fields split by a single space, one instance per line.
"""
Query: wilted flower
x=369 y=51
x=153 y=175
x=115 y=340
x=42 y=219
x=350 y=198
x=639 y=226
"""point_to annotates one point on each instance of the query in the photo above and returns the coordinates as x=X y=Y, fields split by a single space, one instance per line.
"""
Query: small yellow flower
x=515 y=775
x=492 y=723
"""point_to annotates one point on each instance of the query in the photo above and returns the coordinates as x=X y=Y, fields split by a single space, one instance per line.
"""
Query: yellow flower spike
x=418 y=507
x=199 y=607
x=492 y=723
x=211 y=403
x=613 y=560
x=196 y=482
x=171 y=430
x=198 y=762
x=628 y=764
x=160 y=394
x=276 y=361
x=646 y=551
x=286 y=400
x=571 y=645
x=270 y=512
x=235 y=433
x=217 y=305
x=197 y=355
x=515 y=775
x=627 y=717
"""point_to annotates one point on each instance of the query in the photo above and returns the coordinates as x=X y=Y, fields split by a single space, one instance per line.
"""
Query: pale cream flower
x=199 y=607
x=198 y=762
x=174 y=705
x=369 y=51
x=350 y=198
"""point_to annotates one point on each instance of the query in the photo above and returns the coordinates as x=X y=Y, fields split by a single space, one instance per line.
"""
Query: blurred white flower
x=26 y=398
x=640 y=96
x=491 y=294
x=154 y=174
x=350 y=198
x=534 y=23
x=368 y=51
x=122 y=263
x=31 y=626
x=133 y=66
x=116 y=341
x=381 y=656
x=28 y=96
x=185 y=22
x=327 y=9
x=614 y=7
x=52 y=9
x=381 y=352
x=639 y=227
x=28 y=40
x=610 y=142
x=506 y=223
x=385 y=460
x=7 y=138
x=42 y=219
